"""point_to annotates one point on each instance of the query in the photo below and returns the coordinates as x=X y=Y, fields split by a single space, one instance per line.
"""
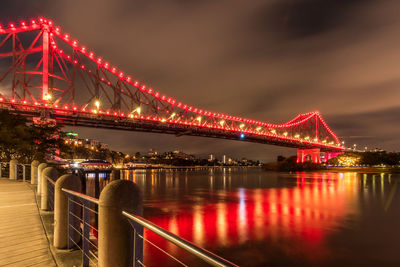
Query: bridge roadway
x=22 y=238
x=86 y=119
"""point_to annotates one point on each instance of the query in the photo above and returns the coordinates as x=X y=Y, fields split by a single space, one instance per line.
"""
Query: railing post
x=50 y=187
x=1 y=168
x=138 y=244
x=39 y=184
x=23 y=172
x=86 y=233
x=52 y=173
x=13 y=168
x=116 y=236
x=71 y=182
x=115 y=175
x=34 y=171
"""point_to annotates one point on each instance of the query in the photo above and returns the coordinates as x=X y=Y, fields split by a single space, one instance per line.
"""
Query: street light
x=97 y=104
x=138 y=110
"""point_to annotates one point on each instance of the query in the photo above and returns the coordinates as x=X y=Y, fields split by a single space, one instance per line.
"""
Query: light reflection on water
x=252 y=217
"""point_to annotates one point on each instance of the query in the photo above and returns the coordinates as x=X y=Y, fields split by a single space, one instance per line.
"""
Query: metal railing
x=22 y=171
x=201 y=253
x=4 y=169
x=82 y=225
x=25 y=171
x=82 y=233
x=51 y=189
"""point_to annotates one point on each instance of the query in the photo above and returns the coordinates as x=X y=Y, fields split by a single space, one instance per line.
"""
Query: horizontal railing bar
x=93 y=255
x=94 y=228
x=180 y=242
x=75 y=202
x=92 y=210
x=51 y=181
x=21 y=164
x=80 y=195
x=86 y=255
x=162 y=250
x=77 y=217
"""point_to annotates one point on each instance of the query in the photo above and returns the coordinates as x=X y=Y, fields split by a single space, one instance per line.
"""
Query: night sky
x=266 y=60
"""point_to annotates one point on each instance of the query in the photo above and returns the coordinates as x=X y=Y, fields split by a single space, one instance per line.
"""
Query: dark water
x=257 y=218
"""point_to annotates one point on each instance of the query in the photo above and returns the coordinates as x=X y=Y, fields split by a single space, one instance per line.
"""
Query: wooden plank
x=23 y=241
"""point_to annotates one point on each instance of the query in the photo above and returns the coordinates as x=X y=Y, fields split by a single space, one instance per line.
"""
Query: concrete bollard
x=71 y=182
x=41 y=167
x=52 y=173
x=34 y=171
x=116 y=236
x=13 y=169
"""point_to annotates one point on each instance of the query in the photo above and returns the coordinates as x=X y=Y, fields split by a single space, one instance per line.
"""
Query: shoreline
x=365 y=169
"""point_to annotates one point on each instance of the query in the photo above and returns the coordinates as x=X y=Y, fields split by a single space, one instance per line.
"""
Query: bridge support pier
x=312 y=154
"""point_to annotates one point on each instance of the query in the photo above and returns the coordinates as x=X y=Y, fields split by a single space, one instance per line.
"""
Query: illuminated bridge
x=48 y=76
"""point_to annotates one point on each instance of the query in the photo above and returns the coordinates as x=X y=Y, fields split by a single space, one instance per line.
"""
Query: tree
x=24 y=141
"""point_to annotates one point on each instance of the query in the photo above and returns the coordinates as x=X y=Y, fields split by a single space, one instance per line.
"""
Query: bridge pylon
x=312 y=155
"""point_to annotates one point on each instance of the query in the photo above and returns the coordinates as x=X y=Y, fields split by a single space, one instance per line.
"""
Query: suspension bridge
x=49 y=77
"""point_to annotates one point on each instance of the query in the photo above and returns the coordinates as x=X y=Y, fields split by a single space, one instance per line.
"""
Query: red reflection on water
x=303 y=214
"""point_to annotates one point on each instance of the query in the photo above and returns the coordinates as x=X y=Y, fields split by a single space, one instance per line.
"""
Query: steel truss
x=50 y=74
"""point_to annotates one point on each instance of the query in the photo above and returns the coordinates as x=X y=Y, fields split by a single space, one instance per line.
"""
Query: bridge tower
x=313 y=155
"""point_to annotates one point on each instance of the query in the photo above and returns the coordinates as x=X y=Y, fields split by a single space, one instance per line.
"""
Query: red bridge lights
x=162 y=106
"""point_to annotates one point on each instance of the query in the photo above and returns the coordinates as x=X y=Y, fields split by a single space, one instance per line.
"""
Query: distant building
x=72 y=139
x=153 y=152
x=178 y=155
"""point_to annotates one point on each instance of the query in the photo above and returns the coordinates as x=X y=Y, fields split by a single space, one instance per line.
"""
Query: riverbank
x=365 y=169
x=197 y=167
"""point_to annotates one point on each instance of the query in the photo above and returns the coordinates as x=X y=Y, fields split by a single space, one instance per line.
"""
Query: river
x=256 y=218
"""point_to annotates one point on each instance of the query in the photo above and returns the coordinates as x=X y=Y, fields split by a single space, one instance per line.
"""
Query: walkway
x=22 y=238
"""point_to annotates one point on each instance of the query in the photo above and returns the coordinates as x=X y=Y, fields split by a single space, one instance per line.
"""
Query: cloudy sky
x=267 y=60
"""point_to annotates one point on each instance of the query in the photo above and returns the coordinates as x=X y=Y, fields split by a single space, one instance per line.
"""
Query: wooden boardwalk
x=22 y=238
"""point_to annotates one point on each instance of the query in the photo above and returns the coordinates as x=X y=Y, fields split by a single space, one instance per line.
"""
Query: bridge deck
x=22 y=238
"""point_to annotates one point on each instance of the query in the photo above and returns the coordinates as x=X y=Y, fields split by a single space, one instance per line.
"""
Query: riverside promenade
x=22 y=238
